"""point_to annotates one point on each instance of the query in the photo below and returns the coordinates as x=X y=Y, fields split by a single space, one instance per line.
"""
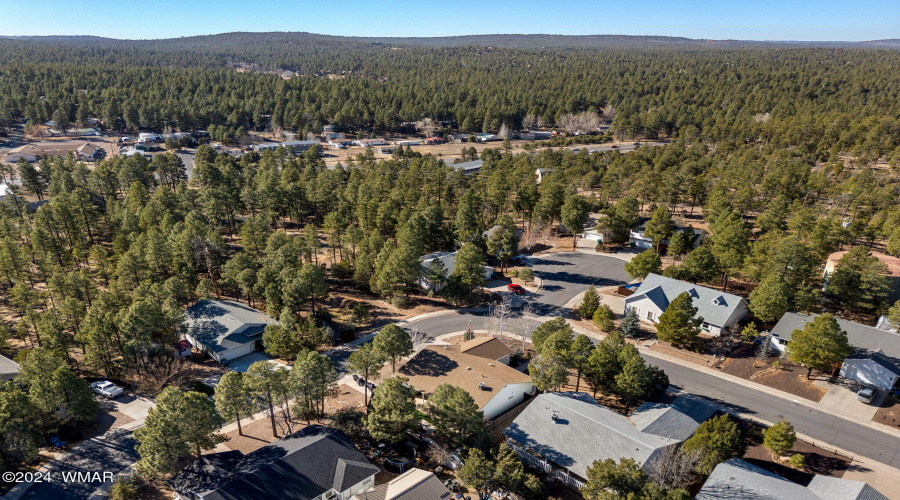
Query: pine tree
x=820 y=345
x=394 y=343
x=630 y=325
x=392 y=413
x=643 y=264
x=589 y=303
x=679 y=323
x=780 y=438
x=233 y=398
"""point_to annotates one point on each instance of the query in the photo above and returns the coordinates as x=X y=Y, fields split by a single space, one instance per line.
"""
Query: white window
x=705 y=327
x=650 y=315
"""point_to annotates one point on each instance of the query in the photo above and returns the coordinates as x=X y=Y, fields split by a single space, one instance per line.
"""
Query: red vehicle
x=516 y=289
x=614 y=146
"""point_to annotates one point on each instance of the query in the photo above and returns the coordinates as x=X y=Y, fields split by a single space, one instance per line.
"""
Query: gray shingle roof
x=713 y=306
x=224 y=324
x=737 y=479
x=584 y=431
x=833 y=488
x=866 y=340
x=672 y=421
x=301 y=466
x=8 y=368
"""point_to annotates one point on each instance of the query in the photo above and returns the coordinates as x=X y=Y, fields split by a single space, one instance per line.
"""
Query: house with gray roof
x=414 y=484
x=225 y=329
x=719 y=310
x=314 y=463
x=8 y=368
x=736 y=478
x=468 y=167
x=569 y=431
x=447 y=259
x=875 y=359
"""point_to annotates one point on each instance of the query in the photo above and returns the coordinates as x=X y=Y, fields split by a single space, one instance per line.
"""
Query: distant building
x=541 y=173
x=638 y=239
x=719 y=310
x=84 y=151
x=314 y=463
x=893 y=271
x=569 y=431
x=875 y=359
x=495 y=387
x=431 y=141
x=408 y=142
x=459 y=137
x=536 y=135
x=490 y=348
x=299 y=146
x=266 y=146
x=468 y=167
x=737 y=479
x=225 y=329
x=387 y=151
x=368 y=143
x=485 y=137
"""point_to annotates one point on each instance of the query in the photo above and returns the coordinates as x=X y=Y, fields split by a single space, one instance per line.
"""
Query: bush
x=780 y=438
x=514 y=273
x=797 y=461
x=400 y=301
x=589 y=304
x=603 y=318
x=124 y=488
x=526 y=274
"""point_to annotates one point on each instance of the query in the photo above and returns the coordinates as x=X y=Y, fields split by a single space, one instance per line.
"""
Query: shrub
x=589 y=303
x=797 y=461
x=603 y=318
x=526 y=274
x=400 y=301
x=780 y=438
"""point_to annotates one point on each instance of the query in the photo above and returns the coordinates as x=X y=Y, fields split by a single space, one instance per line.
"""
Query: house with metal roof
x=569 y=431
x=314 y=463
x=8 y=368
x=875 y=359
x=225 y=329
x=468 y=167
x=736 y=478
x=414 y=484
x=299 y=146
x=719 y=310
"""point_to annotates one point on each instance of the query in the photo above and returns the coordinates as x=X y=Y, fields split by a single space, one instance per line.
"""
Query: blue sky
x=716 y=19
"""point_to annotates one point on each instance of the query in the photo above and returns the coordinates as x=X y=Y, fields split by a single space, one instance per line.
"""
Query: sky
x=812 y=20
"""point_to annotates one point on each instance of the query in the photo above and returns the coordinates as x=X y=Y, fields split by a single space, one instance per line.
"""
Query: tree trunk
x=240 y=430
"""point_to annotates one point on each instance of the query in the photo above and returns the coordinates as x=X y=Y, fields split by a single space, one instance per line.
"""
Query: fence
x=545 y=466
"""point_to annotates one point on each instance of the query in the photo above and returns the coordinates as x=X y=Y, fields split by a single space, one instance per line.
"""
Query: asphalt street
x=567 y=275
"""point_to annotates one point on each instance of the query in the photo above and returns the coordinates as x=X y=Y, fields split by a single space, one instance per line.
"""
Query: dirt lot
x=889 y=413
x=785 y=375
x=818 y=460
x=448 y=152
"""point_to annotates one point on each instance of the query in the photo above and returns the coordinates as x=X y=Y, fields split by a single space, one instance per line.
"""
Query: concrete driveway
x=131 y=406
x=841 y=400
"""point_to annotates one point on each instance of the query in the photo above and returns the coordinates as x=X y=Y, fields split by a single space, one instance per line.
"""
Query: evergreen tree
x=574 y=214
x=820 y=345
x=780 y=438
x=660 y=227
x=394 y=343
x=392 y=413
x=630 y=325
x=771 y=299
x=643 y=264
x=455 y=414
x=367 y=362
x=579 y=357
x=233 y=398
x=717 y=440
x=859 y=280
x=603 y=318
x=679 y=323
x=589 y=303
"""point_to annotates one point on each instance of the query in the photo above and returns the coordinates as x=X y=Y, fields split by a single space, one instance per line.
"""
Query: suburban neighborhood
x=490 y=267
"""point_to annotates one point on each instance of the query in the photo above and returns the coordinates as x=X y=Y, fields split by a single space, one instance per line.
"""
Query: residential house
x=875 y=359
x=433 y=141
x=485 y=137
x=299 y=146
x=340 y=143
x=145 y=137
x=414 y=484
x=84 y=151
x=368 y=143
x=408 y=142
x=737 y=479
x=893 y=271
x=567 y=432
x=330 y=135
x=468 y=167
x=490 y=348
x=315 y=463
x=459 y=137
x=885 y=324
x=447 y=259
x=495 y=387
x=536 y=135
x=266 y=146
x=637 y=238
x=8 y=368
x=225 y=329
x=719 y=310
x=387 y=151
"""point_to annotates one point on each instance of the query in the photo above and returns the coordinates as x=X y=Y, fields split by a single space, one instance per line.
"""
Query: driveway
x=841 y=400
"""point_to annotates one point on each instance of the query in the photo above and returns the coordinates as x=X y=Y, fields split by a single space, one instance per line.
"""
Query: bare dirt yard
x=819 y=461
x=777 y=373
x=889 y=412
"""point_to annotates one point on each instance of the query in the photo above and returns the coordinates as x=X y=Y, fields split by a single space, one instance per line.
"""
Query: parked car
x=107 y=389
x=866 y=395
x=614 y=146
x=515 y=288
x=518 y=260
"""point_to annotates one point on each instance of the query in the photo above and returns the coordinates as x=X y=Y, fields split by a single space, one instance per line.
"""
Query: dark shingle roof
x=301 y=466
x=223 y=324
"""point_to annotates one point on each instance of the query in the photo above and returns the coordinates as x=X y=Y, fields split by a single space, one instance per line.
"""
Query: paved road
x=111 y=453
x=566 y=275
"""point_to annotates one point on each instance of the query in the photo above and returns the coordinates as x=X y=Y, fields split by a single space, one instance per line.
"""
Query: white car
x=107 y=389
